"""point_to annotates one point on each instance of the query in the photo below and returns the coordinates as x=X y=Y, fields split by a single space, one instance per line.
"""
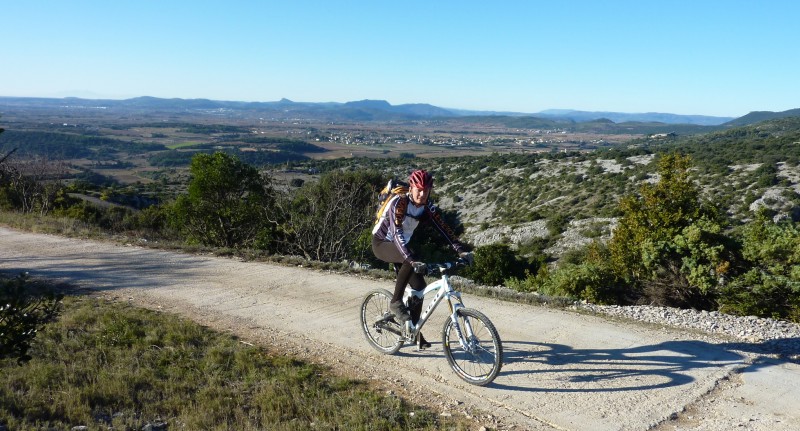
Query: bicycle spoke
x=379 y=328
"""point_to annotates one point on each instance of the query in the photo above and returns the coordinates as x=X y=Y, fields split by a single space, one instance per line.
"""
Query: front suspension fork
x=464 y=334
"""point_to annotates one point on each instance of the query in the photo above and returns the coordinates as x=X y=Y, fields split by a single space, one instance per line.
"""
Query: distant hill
x=616 y=117
x=600 y=125
x=381 y=110
x=621 y=117
x=759 y=116
x=364 y=110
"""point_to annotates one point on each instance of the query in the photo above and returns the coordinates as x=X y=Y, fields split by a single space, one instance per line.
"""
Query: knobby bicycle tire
x=381 y=331
x=480 y=364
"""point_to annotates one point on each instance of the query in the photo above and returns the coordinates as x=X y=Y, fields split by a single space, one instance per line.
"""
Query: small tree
x=324 y=219
x=228 y=204
x=31 y=184
x=668 y=244
x=657 y=214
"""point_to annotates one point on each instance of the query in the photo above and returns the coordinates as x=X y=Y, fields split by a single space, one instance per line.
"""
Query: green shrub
x=228 y=204
x=24 y=309
x=668 y=244
x=112 y=218
x=592 y=280
x=587 y=281
x=494 y=264
x=759 y=293
x=685 y=270
x=771 y=287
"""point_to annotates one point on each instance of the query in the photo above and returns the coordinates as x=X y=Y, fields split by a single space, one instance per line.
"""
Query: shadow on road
x=122 y=269
x=561 y=368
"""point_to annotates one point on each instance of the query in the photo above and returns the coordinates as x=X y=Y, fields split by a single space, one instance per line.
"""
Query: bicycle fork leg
x=463 y=338
x=469 y=336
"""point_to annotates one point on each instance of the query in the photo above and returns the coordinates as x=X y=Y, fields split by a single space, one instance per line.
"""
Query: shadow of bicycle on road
x=562 y=368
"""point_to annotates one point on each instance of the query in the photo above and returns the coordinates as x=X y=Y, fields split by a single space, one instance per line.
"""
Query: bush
x=668 y=245
x=494 y=264
x=325 y=219
x=587 y=281
x=587 y=275
x=112 y=218
x=771 y=288
x=686 y=269
x=24 y=310
x=228 y=204
x=758 y=293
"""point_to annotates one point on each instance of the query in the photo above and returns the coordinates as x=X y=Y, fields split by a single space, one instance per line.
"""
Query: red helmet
x=420 y=179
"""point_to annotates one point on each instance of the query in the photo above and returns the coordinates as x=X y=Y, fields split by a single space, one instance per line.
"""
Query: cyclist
x=393 y=231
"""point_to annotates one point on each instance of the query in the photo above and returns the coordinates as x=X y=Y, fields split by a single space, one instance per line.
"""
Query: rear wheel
x=380 y=328
x=480 y=360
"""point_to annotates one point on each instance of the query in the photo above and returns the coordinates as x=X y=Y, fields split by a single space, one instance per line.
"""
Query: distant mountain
x=759 y=116
x=370 y=104
x=381 y=110
x=648 y=117
x=363 y=110
x=411 y=110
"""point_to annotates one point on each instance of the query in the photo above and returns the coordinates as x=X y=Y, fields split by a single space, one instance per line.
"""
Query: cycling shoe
x=400 y=310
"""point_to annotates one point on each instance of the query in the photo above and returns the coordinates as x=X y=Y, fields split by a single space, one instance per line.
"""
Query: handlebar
x=440 y=267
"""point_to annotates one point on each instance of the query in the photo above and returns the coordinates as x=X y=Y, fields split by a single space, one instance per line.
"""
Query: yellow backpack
x=393 y=188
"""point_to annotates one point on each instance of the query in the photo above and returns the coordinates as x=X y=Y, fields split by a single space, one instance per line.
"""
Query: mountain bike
x=470 y=341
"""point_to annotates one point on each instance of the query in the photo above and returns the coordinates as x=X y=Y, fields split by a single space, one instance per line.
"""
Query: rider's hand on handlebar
x=467 y=257
x=419 y=267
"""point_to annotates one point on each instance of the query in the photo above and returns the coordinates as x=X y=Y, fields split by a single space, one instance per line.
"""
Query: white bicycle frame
x=446 y=291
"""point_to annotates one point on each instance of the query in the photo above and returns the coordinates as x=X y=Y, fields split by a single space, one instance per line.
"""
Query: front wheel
x=479 y=361
x=378 y=323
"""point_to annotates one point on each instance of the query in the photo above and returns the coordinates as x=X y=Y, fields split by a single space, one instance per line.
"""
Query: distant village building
x=662 y=135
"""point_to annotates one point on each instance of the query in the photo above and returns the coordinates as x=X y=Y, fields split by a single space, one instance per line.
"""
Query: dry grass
x=104 y=365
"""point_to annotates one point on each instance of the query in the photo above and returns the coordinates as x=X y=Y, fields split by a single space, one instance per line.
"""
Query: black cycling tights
x=406 y=275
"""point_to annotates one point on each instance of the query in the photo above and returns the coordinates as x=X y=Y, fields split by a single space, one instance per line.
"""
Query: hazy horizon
x=550 y=111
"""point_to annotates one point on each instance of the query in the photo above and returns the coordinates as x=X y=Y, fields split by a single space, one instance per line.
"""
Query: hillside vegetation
x=732 y=168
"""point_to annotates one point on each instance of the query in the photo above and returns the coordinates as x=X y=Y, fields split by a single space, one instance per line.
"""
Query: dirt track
x=563 y=370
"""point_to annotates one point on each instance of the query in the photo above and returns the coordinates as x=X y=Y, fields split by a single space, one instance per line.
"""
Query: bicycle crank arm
x=386 y=326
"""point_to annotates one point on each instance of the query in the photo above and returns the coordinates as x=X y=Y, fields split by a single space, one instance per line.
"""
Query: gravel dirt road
x=562 y=370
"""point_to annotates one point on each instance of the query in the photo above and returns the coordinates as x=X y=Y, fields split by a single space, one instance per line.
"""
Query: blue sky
x=723 y=58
